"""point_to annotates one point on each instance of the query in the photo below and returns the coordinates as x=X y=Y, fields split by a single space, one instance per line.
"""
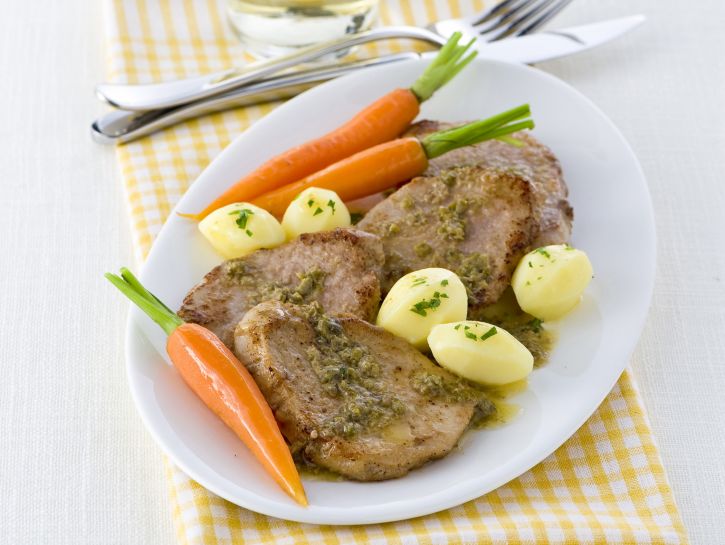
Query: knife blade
x=120 y=126
x=552 y=44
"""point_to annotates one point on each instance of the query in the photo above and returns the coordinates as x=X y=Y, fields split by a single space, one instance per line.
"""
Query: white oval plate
x=614 y=224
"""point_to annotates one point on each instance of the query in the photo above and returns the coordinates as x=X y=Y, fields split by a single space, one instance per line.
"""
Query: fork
x=507 y=18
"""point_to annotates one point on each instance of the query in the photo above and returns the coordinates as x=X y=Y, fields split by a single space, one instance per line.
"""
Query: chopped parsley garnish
x=417 y=310
x=419 y=281
x=249 y=233
x=331 y=204
x=424 y=305
x=531 y=266
x=543 y=252
x=444 y=282
x=535 y=325
x=457 y=327
x=471 y=335
x=310 y=203
x=243 y=217
x=490 y=333
x=318 y=211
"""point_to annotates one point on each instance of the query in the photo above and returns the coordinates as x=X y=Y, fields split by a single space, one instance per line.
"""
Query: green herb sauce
x=473 y=269
x=348 y=372
x=308 y=287
x=530 y=331
x=452 y=220
x=423 y=249
x=393 y=229
x=454 y=389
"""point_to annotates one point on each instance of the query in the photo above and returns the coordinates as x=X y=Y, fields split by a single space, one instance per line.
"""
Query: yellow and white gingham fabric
x=605 y=485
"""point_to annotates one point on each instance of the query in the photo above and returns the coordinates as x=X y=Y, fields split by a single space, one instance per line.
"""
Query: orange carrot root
x=386 y=165
x=225 y=386
x=383 y=120
x=222 y=382
x=370 y=171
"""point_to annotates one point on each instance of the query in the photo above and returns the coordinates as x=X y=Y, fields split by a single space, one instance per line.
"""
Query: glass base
x=285 y=26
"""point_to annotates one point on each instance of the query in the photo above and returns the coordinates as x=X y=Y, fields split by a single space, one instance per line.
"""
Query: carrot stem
x=497 y=126
x=443 y=68
x=503 y=132
x=135 y=284
x=157 y=311
x=511 y=140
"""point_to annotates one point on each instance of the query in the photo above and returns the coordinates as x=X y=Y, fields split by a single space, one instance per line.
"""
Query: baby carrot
x=365 y=173
x=383 y=120
x=386 y=165
x=222 y=382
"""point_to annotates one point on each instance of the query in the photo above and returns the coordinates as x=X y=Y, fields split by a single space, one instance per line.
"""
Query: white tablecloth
x=76 y=465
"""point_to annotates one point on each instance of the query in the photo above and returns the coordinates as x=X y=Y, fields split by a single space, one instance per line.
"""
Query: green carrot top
x=129 y=285
x=498 y=126
x=444 y=67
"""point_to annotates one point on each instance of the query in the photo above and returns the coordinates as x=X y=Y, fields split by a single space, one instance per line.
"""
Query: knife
x=120 y=126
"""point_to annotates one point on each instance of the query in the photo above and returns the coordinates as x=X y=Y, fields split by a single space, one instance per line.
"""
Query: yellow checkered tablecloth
x=604 y=485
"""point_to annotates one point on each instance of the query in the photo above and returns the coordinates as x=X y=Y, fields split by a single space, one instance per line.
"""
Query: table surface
x=76 y=465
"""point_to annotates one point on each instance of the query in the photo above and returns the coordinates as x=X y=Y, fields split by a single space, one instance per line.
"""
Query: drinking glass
x=274 y=27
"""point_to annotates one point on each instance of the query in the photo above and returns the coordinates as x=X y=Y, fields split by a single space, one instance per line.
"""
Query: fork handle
x=174 y=93
x=120 y=126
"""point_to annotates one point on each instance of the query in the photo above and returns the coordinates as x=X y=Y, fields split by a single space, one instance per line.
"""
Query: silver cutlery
x=508 y=18
x=121 y=126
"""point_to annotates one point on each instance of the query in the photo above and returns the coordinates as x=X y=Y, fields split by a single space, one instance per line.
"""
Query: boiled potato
x=480 y=352
x=239 y=229
x=549 y=281
x=421 y=300
x=315 y=210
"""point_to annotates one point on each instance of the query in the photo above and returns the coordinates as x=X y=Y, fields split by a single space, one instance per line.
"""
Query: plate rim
x=440 y=499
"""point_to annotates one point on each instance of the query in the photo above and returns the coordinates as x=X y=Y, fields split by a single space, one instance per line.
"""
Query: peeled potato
x=549 y=281
x=421 y=300
x=315 y=210
x=239 y=229
x=480 y=352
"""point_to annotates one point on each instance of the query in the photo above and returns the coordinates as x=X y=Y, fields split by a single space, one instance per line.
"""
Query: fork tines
x=517 y=17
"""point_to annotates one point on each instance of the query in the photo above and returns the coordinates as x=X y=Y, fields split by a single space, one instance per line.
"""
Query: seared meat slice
x=350 y=396
x=533 y=161
x=339 y=269
x=475 y=221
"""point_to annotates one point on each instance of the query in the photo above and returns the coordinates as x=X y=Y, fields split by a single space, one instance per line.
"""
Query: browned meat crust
x=533 y=161
x=475 y=221
x=345 y=262
x=274 y=341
